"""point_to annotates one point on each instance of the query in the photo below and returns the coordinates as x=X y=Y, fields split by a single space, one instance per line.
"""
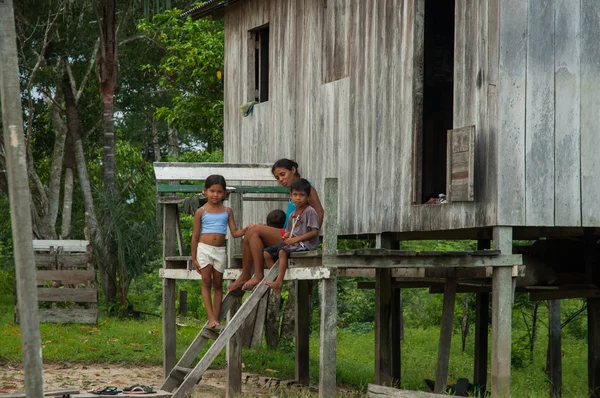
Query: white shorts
x=211 y=255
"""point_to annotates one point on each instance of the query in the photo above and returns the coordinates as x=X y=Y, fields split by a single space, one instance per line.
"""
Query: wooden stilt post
x=554 y=348
x=234 y=246
x=441 y=373
x=328 y=295
x=593 y=310
x=383 y=319
x=170 y=246
x=383 y=327
x=302 y=330
x=482 y=318
x=397 y=336
x=502 y=294
x=234 y=358
x=20 y=197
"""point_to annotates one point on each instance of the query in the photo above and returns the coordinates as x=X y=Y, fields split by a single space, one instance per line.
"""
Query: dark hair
x=276 y=219
x=285 y=164
x=301 y=185
x=215 y=179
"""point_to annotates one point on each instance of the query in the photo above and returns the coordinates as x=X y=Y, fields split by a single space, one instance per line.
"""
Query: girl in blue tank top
x=209 y=256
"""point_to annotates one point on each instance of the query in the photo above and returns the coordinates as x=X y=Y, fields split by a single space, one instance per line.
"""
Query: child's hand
x=196 y=265
x=290 y=241
x=286 y=235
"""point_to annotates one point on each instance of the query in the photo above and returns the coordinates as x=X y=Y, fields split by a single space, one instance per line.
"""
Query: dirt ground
x=86 y=377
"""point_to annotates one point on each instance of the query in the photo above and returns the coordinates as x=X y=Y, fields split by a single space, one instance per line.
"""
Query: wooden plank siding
x=345 y=101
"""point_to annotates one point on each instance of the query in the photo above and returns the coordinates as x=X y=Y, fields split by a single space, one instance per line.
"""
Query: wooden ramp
x=182 y=377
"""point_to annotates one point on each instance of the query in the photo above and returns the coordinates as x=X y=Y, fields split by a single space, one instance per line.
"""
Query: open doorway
x=438 y=96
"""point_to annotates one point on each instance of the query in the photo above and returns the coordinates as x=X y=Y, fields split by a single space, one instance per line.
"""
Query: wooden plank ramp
x=63 y=392
x=376 y=391
x=182 y=377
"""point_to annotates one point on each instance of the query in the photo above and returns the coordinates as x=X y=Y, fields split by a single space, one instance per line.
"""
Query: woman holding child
x=258 y=237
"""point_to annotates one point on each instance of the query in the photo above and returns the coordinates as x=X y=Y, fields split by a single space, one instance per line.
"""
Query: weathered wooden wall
x=345 y=101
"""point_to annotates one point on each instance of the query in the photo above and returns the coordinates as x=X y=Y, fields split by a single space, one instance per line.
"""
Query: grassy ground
x=139 y=342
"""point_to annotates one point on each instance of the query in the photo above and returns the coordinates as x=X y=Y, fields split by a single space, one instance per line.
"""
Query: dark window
x=260 y=37
x=438 y=93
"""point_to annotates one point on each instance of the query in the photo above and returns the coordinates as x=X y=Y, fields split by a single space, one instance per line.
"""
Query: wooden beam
x=302 y=331
x=383 y=327
x=259 y=322
x=554 y=349
x=232 y=274
x=559 y=294
x=327 y=352
x=234 y=246
x=65 y=245
x=234 y=357
x=169 y=329
x=422 y=261
x=397 y=336
x=68 y=315
x=72 y=276
x=199 y=171
x=593 y=310
x=330 y=223
x=502 y=294
x=83 y=295
x=441 y=373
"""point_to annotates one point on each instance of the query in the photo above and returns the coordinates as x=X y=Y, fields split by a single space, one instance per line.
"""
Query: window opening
x=438 y=97
x=261 y=64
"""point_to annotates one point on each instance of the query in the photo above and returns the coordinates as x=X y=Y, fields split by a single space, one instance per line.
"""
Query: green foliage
x=191 y=67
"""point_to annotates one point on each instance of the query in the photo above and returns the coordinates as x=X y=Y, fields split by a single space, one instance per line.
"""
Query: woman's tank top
x=215 y=223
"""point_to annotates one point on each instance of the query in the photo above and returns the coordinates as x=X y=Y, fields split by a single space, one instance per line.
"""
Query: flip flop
x=139 y=389
x=108 y=390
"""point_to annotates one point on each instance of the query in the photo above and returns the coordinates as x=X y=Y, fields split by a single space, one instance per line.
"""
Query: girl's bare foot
x=276 y=286
x=236 y=284
x=212 y=324
x=251 y=283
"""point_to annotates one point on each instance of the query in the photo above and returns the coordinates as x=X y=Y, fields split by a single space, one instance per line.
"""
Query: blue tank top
x=215 y=223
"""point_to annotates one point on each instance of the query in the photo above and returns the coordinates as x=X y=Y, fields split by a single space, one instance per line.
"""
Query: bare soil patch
x=86 y=377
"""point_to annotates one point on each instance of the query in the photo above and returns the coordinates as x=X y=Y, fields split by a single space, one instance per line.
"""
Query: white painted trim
x=66 y=245
x=231 y=274
x=199 y=171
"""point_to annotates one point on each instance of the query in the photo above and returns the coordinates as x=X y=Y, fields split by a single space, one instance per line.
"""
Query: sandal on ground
x=108 y=390
x=139 y=389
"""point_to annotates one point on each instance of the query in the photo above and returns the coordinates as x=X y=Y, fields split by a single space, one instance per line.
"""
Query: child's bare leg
x=246 y=263
x=277 y=285
x=217 y=284
x=269 y=260
x=206 y=273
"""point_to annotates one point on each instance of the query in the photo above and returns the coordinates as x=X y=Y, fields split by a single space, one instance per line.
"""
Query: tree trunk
x=272 y=321
x=67 y=212
x=288 y=323
x=108 y=83
x=173 y=137
x=159 y=214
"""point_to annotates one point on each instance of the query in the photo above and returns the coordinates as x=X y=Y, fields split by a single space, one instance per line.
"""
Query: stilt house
x=441 y=119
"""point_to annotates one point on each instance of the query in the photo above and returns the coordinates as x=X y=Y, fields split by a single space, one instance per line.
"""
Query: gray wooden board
x=68 y=315
x=590 y=98
x=567 y=174
x=52 y=393
x=80 y=295
x=73 y=276
x=328 y=338
x=375 y=391
x=501 y=332
x=539 y=122
x=443 y=361
x=511 y=113
x=158 y=394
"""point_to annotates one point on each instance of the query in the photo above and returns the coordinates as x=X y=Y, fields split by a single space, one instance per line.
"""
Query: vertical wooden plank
x=441 y=372
x=234 y=246
x=397 y=336
x=590 y=98
x=567 y=124
x=383 y=325
x=330 y=223
x=170 y=221
x=168 y=324
x=593 y=311
x=259 y=322
x=554 y=348
x=539 y=123
x=511 y=112
x=234 y=357
x=327 y=352
x=482 y=317
x=501 y=316
x=302 y=331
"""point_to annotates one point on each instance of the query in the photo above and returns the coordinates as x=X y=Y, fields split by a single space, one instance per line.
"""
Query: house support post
x=170 y=246
x=302 y=330
x=234 y=246
x=397 y=336
x=383 y=327
x=554 y=349
x=441 y=373
x=234 y=357
x=502 y=296
x=328 y=295
x=482 y=317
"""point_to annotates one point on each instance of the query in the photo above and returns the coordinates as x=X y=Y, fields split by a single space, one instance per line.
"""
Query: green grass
x=139 y=342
